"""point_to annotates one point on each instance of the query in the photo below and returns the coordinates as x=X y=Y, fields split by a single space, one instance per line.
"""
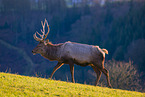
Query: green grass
x=12 y=85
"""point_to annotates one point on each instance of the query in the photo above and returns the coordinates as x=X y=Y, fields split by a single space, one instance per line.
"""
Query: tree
x=16 y=5
x=136 y=53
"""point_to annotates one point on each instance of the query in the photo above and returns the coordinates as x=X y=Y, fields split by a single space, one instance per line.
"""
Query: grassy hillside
x=16 y=85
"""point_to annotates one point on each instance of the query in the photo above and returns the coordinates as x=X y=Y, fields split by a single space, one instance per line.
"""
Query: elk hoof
x=109 y=86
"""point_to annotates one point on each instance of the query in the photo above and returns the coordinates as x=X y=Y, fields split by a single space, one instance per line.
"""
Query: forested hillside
x=117 y=26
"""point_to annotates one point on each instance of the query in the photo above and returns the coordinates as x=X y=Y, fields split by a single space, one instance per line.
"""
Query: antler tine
x=48 y=29
x=43 y=31
x=39 y=34
x=36 y=38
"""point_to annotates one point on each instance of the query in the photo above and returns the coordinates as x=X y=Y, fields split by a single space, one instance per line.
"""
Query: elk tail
x=105 y=51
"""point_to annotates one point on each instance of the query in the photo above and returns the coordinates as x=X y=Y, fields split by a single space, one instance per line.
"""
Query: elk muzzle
x=34 y=52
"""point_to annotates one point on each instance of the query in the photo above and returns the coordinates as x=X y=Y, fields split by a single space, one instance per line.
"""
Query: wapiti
x=71 y=53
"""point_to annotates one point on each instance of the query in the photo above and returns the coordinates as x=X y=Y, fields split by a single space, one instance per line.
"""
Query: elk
x=71 y=53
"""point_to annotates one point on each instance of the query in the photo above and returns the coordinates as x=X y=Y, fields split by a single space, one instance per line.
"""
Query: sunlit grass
x=15 y=85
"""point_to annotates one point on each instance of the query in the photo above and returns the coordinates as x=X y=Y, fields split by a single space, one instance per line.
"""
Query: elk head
x=40 y=48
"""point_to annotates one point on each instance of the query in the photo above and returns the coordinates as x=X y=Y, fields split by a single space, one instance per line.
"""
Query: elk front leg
x=72 y=71
x=59 y=64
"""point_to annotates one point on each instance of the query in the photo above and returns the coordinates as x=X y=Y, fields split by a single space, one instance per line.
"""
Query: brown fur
x=51 y=51
x=72 y=53
x=59 y=53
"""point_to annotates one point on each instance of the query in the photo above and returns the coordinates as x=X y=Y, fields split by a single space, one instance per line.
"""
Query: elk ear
x=46 y=42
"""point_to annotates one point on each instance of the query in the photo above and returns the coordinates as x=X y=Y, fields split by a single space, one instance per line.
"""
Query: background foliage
x=118 y=26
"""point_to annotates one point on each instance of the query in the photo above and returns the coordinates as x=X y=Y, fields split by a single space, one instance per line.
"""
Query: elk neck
x=52 y=51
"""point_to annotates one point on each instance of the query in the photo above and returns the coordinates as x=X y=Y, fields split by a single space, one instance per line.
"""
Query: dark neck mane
x=52 y=51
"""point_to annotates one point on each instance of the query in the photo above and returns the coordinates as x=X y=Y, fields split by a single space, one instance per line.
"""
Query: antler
x=43 y=36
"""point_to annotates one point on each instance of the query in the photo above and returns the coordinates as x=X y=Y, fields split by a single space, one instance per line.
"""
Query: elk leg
x=59 y=64
x=106 y=72
x=98 y=72
x=72 y=71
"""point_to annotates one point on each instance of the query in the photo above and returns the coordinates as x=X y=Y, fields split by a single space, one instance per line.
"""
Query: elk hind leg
x=106 y=72
x=98 y=72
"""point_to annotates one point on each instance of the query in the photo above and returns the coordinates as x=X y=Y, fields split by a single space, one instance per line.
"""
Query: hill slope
x=16 y=85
